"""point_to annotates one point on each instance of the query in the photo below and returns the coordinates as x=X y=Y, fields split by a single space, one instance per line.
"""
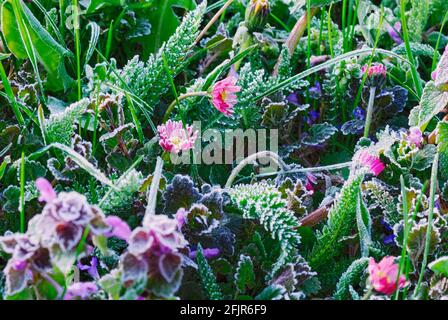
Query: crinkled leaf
x=319 y=133
x=432 y=102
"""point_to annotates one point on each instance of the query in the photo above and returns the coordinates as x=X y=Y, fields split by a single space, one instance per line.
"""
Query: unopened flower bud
x=257 y=13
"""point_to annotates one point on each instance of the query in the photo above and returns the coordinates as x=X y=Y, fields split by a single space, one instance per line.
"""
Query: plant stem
x=251 y=158
x=295 y=35
x=182 y=97
x=212 y=21
x=77 y=46
x=22 y=193
x=369 y=111
x=432 y=194
x=406 y=233
x=10 y=93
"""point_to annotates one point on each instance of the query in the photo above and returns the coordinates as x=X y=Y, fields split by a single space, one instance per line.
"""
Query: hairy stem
x=182 y=97
x=212 y=21
x=369 y=111
x=251 y=158
x=432 y=194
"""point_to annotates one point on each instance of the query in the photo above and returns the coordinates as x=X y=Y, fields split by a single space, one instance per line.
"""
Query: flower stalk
x=369 y=111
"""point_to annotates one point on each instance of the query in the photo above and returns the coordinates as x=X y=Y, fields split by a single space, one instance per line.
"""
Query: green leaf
x=442 y=148
x=164 y=22
x=321 y=3
x=319 y=133
x=364 y=223
x=95 y=5
x=349 y=277
x=440 y=266
x=432 y=102
x=208 y=279
x=273 y=292
x=48 y=51
x=244 y=277
x=417 y=49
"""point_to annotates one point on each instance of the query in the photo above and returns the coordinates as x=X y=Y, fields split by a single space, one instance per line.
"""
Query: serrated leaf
x=432 y=102
x=417 y=49
x=273 y=292
x=364 y=223
x=319 y=133
x=244 y=277
x=208 y=279
x=442 y=148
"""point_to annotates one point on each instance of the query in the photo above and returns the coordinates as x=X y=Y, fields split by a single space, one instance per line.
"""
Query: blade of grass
x=77 y=45
x=436 y=49
x=22 y=193
x=404 y=196
x=325 y=65
x=137 y=124
x=404 y=28
x=10 y=94
x=432 y=195
x=28 y=44
x=110 y=34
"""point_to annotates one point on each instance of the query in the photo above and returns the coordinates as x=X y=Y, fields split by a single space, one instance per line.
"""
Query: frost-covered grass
x=224 y=149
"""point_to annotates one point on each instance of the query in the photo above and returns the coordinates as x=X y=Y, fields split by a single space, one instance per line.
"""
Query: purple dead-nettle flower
x=359 y=113
x=316 y=91
x=393 y=32
x=27 y=257
x=120 y=228
x=209 y=253
x=153 y=251
x=63 y=220
x=91 y=268
x=181 y=217
x=415 y=136
x=47 y=193
x=313 y=116
x=80 y=291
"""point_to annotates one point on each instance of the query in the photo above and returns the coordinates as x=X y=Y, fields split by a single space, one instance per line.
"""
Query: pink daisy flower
x=223 y=95
x=383 y=275
x=371 y=162
x=376 y=69
x=174 y=138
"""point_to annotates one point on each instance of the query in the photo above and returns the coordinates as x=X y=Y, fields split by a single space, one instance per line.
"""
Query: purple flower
x=181 y=217
x=393 y=32
x=92 y=268
x=359 y=113
x=316 y=91
x=313 y=116
x=415 y=136
x=120 y=229
x=208 y=253
x=293 y=99
x=310 y=181
x=47 y=193
x=80 y=291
